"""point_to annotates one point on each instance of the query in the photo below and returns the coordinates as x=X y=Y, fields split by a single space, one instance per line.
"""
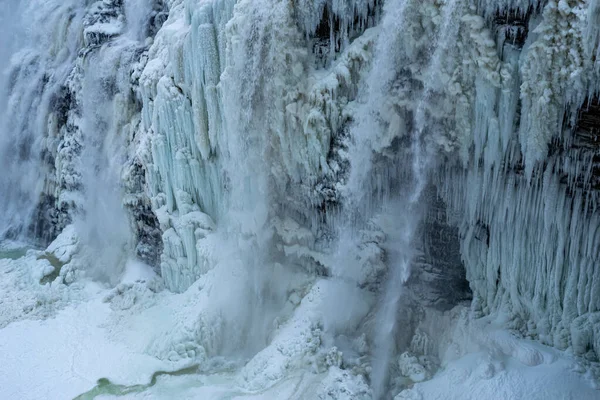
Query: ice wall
x=526 y=199
x=252 y=135
x=321 y=140
x=240 y=121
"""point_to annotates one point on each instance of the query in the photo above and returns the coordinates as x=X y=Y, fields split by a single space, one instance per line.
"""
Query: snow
x=498 y=365
x=137 y=271
x=129 y=333
x=284 y=153
x=65 y=245
x=63 y=357
x=478 y=376
x=98 y=335
x=22 y=295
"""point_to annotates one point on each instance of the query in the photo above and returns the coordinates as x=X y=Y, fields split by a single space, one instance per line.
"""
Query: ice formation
x=309 y=185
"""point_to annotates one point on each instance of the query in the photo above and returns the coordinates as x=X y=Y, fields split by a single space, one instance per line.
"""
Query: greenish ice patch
x=13 y=254
x=106 y=387
x=56 y=263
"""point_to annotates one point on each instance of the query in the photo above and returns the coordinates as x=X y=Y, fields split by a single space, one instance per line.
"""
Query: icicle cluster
x=258 y=120
x=226 y=83
x=525 y=198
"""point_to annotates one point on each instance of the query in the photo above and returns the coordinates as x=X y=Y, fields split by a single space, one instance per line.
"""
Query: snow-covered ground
x=74 y=338
x=63 y=356
x=486 y=361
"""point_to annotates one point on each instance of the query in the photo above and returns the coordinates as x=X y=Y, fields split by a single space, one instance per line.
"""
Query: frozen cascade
x=528 y=229
x=105 y=118
x=71 y=113
x=401 y=200
x=38 y=63
x=284 y=165
x=195 y=164
x=185 y=88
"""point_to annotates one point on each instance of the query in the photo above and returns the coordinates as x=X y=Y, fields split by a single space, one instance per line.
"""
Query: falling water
x=378 y=84
x=60 y=94
x=399 y=206
x=25 y=185
x=106 y=117
x=103 y=224
x=246 y=162
x=42 y=45
x=137 y=15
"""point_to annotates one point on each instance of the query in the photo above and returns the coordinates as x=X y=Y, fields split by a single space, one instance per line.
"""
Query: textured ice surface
x=483 y=360
x=105 y=333
x=261 y=149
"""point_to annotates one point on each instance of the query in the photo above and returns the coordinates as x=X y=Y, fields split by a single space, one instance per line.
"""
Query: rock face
x=439 y=279
x=586 y=141
x=262 y=132
x=146 y=227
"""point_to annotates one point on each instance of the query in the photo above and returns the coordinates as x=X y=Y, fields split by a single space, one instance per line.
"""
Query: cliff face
x=72 y=110
x=432 y=141
x=526 y=199
x=243 y=118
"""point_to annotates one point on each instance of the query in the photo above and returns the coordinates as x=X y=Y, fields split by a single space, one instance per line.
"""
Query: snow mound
x=480 y=359
x=480 y=375
x=33 y=288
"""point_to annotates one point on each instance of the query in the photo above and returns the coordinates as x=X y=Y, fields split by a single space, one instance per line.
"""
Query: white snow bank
x=63 y=357
x=65 y=245
x=480 y=359
x=483 y=375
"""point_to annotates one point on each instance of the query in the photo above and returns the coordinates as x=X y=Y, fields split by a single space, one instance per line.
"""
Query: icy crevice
x=331 y=26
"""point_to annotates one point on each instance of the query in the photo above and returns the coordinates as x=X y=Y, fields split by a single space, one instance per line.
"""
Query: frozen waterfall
x=349 y=195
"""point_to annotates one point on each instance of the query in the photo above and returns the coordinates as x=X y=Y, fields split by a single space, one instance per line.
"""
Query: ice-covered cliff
x=335 y=172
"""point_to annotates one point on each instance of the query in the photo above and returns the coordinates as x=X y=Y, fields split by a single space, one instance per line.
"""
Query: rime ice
x=335 y=199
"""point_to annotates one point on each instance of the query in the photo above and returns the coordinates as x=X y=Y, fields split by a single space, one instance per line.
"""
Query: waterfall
x=400 y=202
x=283 y=166
x=43 y=47
x=247 y=158
x=105 y=123
x=67 y=119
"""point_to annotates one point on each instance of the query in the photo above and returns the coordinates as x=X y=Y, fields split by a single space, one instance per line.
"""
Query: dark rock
x=439 y=276
x=513 y=25
x=144 y=222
